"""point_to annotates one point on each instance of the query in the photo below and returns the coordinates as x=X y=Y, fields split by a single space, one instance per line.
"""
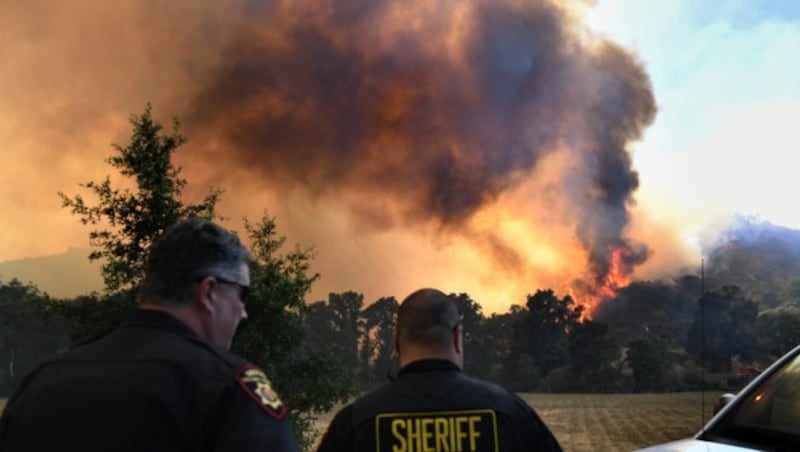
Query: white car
x=765 y=415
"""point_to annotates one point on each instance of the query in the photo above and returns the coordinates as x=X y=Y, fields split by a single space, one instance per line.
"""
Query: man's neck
x=416 y=354
x=182 y=313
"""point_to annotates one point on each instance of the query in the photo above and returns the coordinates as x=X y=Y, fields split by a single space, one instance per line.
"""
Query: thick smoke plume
x=435 y=108
x=495 y=130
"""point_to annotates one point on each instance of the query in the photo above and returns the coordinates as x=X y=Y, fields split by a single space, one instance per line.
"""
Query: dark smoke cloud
x=624 y=107
x=437 y=109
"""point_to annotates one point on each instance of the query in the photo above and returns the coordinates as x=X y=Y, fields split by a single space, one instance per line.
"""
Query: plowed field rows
x=621 y=422
x=614 y=422
x=611 y=422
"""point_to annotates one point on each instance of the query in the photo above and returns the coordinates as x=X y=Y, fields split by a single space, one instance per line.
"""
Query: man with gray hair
x=432 y=405
x=164 y=380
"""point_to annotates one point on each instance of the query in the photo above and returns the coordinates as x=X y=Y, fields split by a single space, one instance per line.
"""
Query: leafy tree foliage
x=478 y=355
x=128 y=221
x=649 y=359
x=377 y=341
x=497 y=336
x=319 y=325
x=651 y=308
x=346 y=310
x=309 y=380
x=28 y=331
x=778 y=332
x=792 y=290
x=279 y=284
x=92 y=316
x=541 y=335
x=593 y=354
x=360 y=338
x=724 y=326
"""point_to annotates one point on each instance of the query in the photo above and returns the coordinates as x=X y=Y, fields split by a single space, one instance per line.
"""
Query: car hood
x=694 y=445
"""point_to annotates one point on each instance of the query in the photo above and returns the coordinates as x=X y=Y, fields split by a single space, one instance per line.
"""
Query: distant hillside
x=757 y=256
x=61 y=275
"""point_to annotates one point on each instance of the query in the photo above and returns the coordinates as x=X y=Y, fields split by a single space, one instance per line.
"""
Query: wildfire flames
x=616 y=276
x=606 y=285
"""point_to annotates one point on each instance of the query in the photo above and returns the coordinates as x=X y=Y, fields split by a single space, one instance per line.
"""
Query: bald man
x=432 y=405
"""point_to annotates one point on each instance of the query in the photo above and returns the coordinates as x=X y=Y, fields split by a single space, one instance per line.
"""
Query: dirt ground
x=613 y=422
x=609 y=422
x=621 y=422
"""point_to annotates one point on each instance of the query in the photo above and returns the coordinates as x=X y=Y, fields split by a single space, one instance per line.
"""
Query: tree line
x=642 y=345
x=654 y=336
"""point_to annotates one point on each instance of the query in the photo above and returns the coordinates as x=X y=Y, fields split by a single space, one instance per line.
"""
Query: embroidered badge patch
x=256 y=385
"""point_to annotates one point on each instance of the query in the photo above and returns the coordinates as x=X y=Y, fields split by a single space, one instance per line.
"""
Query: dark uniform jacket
x=432 y=405
x=150 y=385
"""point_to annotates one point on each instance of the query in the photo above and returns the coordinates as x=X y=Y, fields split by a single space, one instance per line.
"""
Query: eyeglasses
x=244 y=291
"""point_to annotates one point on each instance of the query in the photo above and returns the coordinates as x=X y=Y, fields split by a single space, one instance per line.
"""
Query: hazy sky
x=727 y=81
x=519 y=107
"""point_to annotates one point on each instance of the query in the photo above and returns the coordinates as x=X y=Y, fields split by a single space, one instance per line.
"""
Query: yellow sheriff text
x=431 y=434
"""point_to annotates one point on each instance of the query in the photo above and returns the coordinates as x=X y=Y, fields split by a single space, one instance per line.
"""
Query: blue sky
x=726 y=76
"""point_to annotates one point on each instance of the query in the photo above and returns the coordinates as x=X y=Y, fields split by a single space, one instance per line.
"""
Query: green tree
x=478 y=359
x=724 y=326
x=92 y=316
x=128 y=221
x=647 y=307
x=319 y=326
x=28 y=331
x=543 y=332
x=592 y=353
x=649 y=359
x=347 y=327
x=377 y=341
x=793 y=289
x=777 y=332
x=498 y=333
x=272 y=336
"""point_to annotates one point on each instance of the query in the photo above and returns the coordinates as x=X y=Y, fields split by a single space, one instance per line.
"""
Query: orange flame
x=606 y=287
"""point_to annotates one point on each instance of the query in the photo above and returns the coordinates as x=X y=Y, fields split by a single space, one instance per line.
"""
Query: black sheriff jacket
x=432 y=405
x=152 y=385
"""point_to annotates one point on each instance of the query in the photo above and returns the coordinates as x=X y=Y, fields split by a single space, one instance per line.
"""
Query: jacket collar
x=153 y=318
x=429 y=365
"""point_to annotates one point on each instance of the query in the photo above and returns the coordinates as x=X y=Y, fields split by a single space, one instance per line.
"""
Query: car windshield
x=769 y=414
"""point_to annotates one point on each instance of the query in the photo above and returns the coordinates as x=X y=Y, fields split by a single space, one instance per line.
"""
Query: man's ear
x=458 y=339
x=204 y=294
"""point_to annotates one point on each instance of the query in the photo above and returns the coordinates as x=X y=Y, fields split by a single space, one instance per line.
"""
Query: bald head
x=427 y=323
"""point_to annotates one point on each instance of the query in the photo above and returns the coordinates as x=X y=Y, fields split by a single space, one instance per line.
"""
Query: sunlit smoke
x=494 y=130
x=436 y=109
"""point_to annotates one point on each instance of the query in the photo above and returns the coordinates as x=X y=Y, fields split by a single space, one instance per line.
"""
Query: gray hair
x=186 y=253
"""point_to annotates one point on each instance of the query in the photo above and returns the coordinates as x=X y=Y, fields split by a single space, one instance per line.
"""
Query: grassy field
x=621 y=422
x=610 y=422
x=614 y=422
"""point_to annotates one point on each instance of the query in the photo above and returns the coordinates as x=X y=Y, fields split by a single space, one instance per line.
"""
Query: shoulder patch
x=258 y=387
